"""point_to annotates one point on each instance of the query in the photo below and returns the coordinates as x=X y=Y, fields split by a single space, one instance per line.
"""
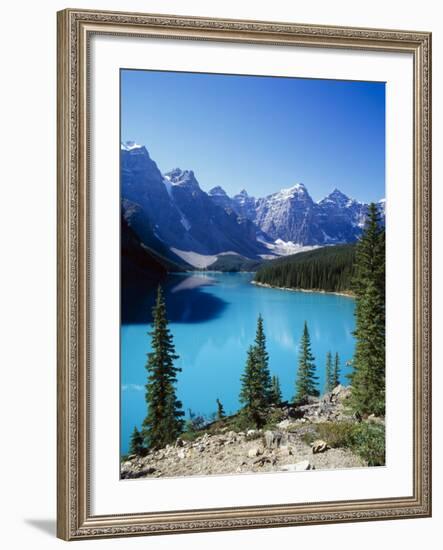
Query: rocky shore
x=346 y=293
x=291 y=444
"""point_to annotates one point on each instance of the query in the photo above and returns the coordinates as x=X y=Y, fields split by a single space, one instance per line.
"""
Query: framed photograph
x=243 y=274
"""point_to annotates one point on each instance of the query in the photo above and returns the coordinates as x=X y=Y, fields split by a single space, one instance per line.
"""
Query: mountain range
x=171 y=214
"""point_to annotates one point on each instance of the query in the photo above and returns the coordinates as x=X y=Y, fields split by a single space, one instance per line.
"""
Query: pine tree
x=368 y=375
x=329 y=374
x=336 y=371
x=306 y=379
x=252 y=394
x=262 y=358
x=136 y=446
x=164 y=422
x=220 y=410
x=276 y=395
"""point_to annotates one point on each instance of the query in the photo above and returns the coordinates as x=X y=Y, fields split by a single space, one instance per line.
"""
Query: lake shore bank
x=317 y=435
x=346 y=294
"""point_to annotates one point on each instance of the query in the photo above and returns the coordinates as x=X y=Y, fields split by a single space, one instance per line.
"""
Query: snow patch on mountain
x=168 y=185
x=184 y=178
x=297 y=189
x=200 y=261
x=130 y=145
x=284 y=248
x=184 y=221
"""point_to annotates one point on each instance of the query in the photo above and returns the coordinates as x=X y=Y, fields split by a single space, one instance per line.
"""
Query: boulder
x=255 y=451
x=319 y=446
x=284 y=424
x=302 y=466
x=340 y=393
x=273 y=440
x=262 y=461
x=285 y=451
x=296 y=413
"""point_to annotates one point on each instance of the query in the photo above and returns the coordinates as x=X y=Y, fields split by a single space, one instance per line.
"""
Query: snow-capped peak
x=298 y=189
x=336 y=197
x=130 y=145
x=337 y=194
x=177 y=177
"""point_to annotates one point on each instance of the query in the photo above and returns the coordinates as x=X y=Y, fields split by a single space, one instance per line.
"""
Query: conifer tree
x=252 y=394
x=136 y=445
x=164 y=422
x=220 y=410
x=329 y=374
x=276 y=395
x=262 y=359
x=336 y=371
x=368 y=375
x=306 y=378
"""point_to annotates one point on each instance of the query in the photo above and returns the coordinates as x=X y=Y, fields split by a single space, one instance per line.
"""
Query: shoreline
x=342 y=293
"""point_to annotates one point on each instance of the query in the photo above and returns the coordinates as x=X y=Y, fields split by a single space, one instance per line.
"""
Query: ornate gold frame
x=75 y=28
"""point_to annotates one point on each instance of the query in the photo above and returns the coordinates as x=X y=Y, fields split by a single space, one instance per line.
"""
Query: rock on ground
x=281 y=448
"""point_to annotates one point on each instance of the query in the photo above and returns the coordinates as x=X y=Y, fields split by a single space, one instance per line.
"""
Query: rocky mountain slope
x=178 y=212
x=291 y=444
x=174 y=209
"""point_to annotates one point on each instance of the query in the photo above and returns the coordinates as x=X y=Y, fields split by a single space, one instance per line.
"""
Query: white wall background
x=27 y=300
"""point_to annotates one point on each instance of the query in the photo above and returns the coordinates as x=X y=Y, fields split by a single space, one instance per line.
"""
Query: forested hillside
x=138 y=262
x=328 y=268
x=234 y=263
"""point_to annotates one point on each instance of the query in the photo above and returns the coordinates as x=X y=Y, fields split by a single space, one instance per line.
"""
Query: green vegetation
x=252 y=394
x=136 y=446
x=332 y=372
x=255 y=394
x=306 y=378
x=335 y=434
x=368 y=375
x=329 y=375
x=193 y=426
x=366 y=439
x=336 y=371
x=276 y=395
x=163 y=423
x=220 y=410
x=234 y=263
x=328 y=268
x=139 y=261
x=359 y=268
x=262 y=358
x=369 y=443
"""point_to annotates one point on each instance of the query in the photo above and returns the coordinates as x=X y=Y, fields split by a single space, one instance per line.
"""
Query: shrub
x=366 y=440
x=369 y=443
x=273 y=417
x=240 y=422
x=190 y=435
x=336 y=434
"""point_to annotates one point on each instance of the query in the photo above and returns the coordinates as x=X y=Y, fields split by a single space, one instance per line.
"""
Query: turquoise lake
x=213 y=320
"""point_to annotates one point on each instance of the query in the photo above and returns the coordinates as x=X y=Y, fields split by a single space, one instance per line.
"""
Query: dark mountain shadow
x=186 y=301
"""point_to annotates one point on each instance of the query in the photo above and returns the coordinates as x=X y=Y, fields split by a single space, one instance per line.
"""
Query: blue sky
x=260 y=133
